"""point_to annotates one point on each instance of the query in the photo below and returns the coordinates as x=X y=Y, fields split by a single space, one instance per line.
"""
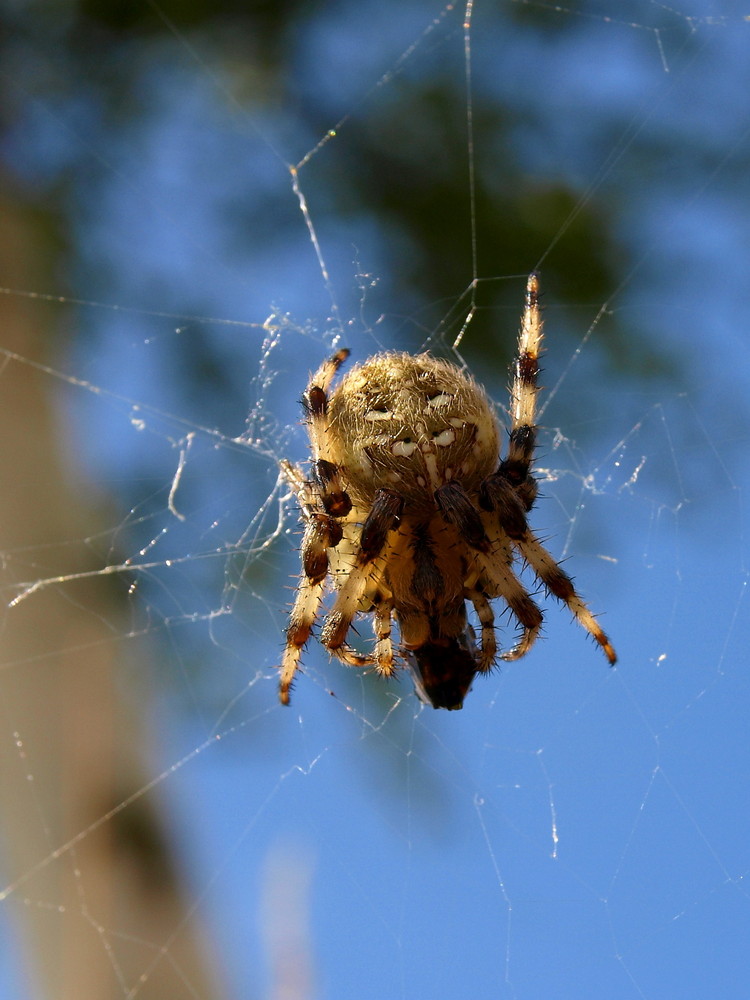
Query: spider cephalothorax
x=411 y=512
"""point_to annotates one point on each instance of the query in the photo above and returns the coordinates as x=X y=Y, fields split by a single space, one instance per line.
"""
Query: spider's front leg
x=322 y=531
x=322 y=500
x=456 y=508
x=498 y=496
x=557 y=581
x=383 y=646
x=384 y=516
x=499 y=580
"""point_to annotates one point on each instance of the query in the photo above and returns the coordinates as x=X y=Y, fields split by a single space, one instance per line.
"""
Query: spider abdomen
x=411 y=424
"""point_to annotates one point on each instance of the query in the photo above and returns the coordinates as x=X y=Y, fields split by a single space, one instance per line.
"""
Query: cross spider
x=411 y=512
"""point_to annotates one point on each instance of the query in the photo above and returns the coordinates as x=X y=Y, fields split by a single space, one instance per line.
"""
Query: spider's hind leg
x=326 y=473
x=524 y=389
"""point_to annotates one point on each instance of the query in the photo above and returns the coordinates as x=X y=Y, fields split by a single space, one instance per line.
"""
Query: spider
x=411 y=512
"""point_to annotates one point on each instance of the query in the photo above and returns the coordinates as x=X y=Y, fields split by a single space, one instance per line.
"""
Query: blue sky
x=575 y=830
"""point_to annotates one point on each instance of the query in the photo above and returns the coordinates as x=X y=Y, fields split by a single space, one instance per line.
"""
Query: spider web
x=235 y=199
